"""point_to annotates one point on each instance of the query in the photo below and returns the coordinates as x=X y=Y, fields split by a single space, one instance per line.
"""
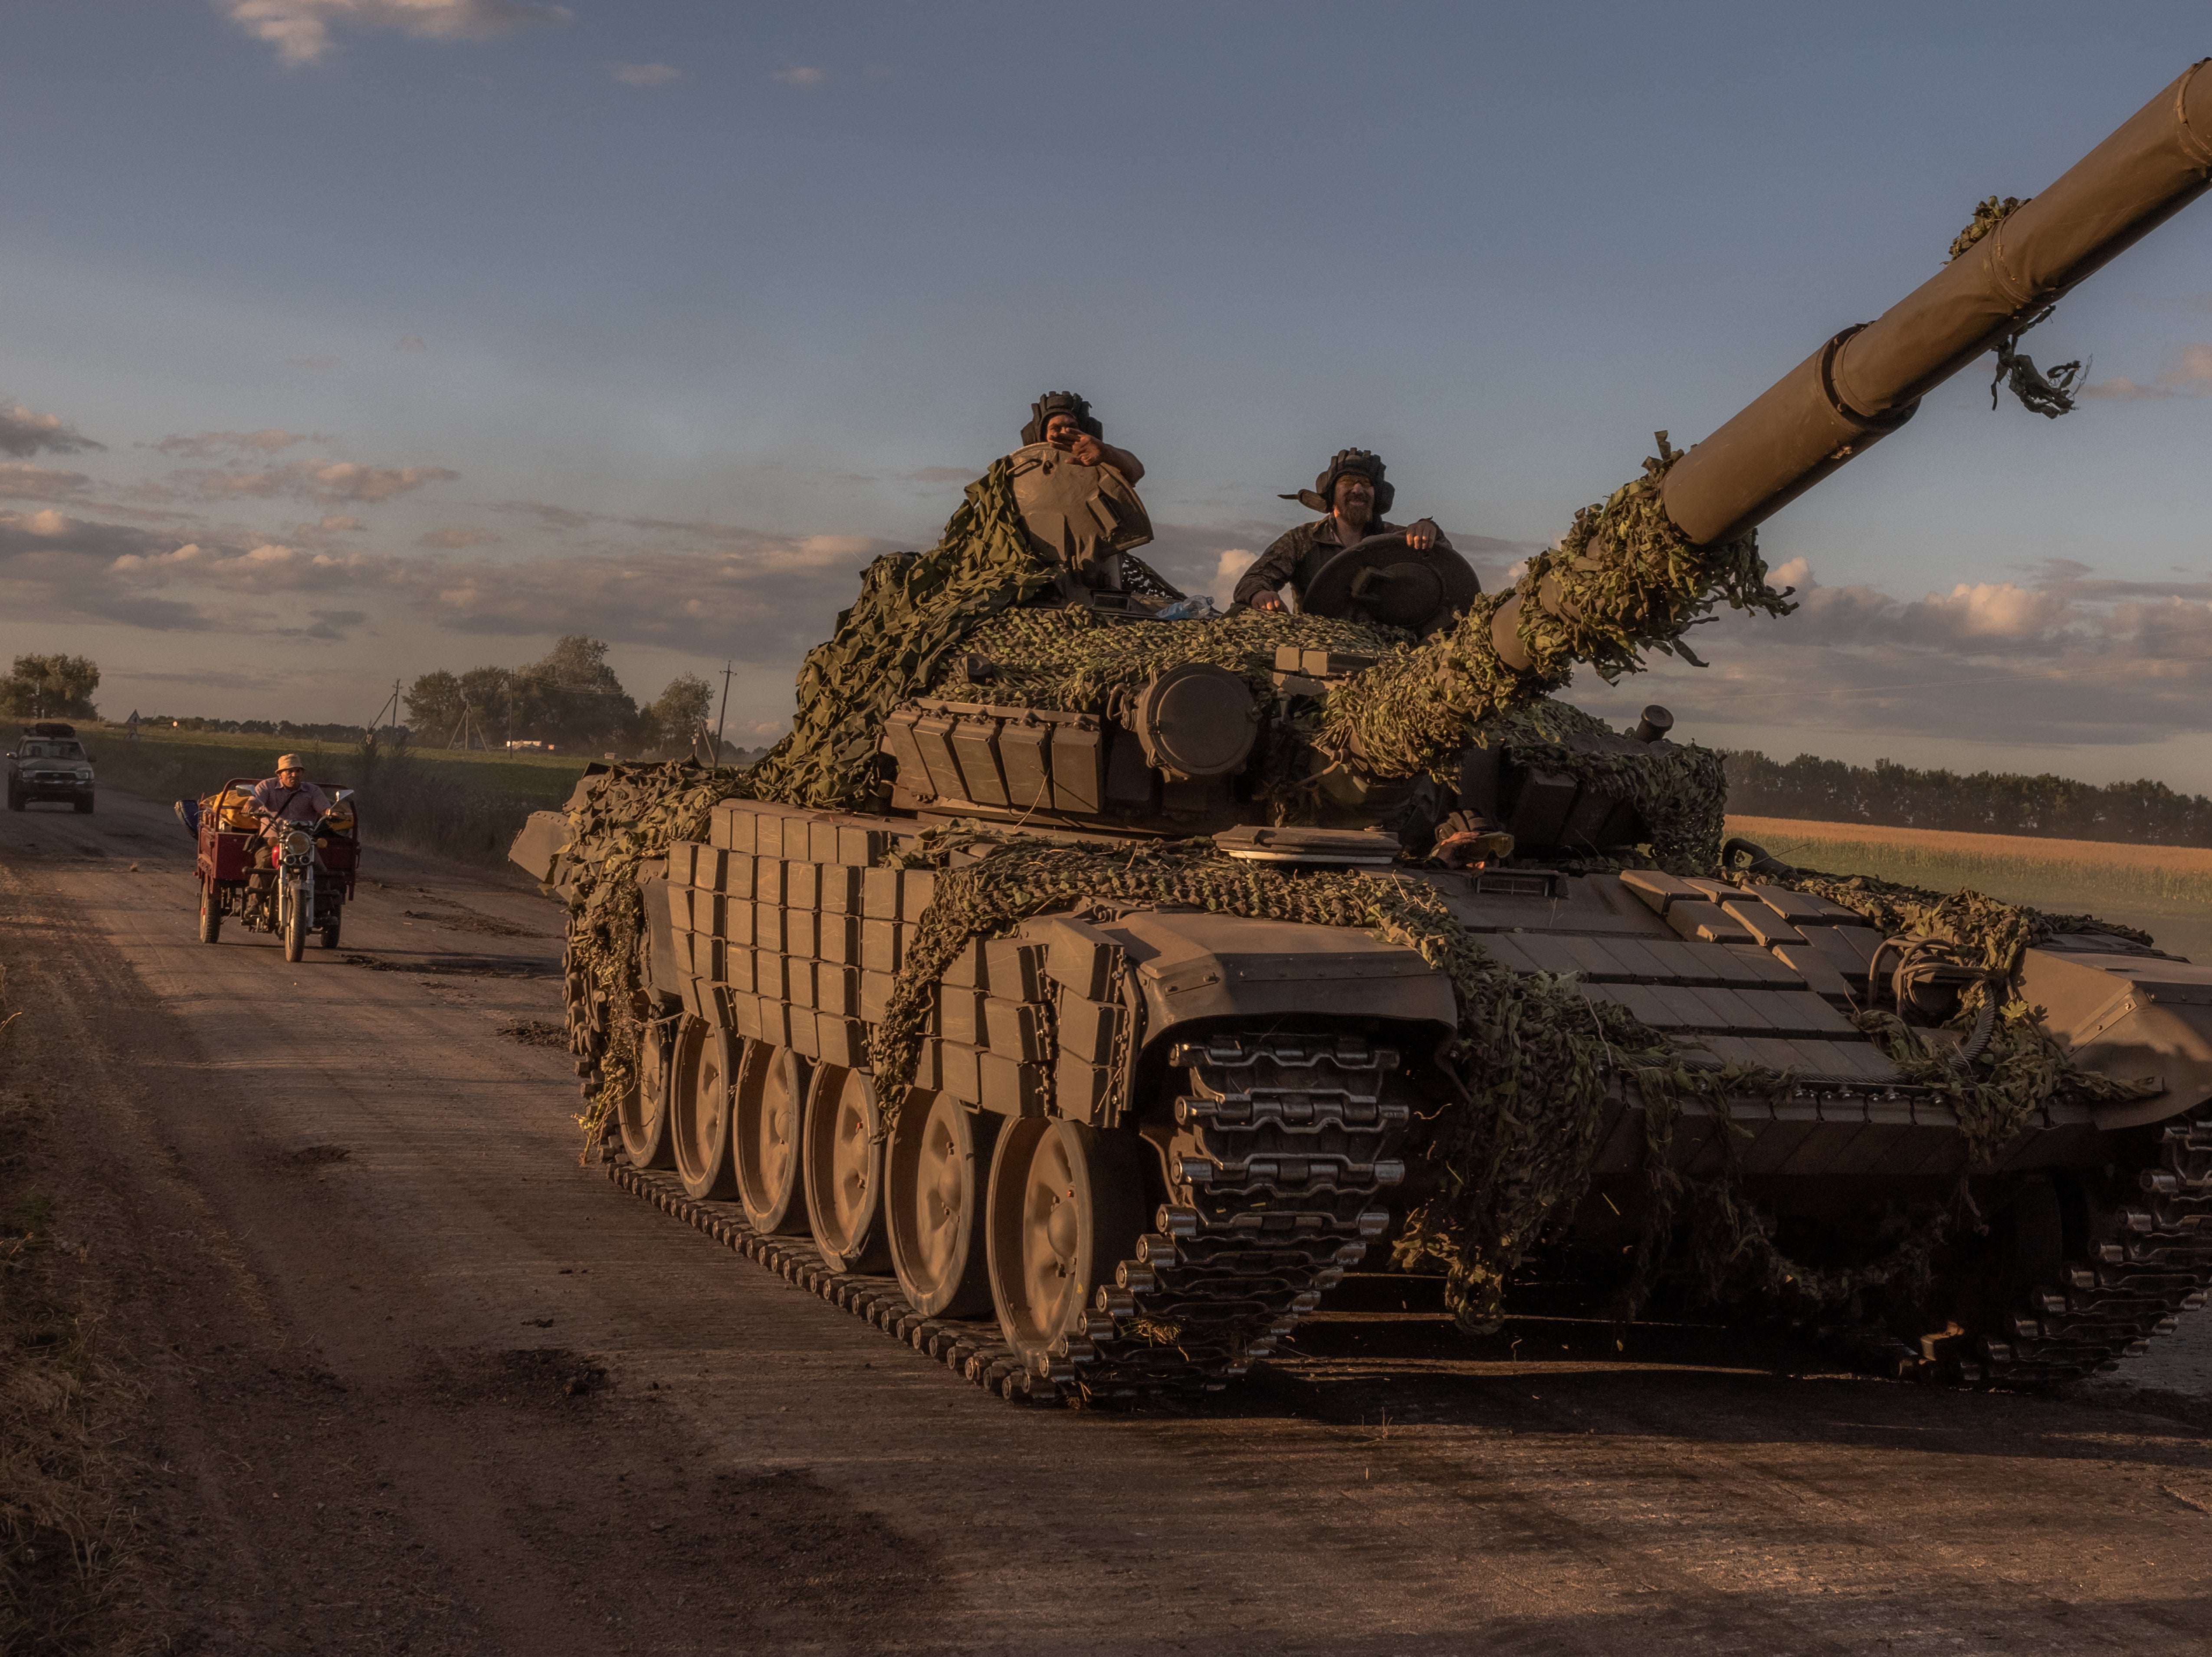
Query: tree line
x=570 y=699
x=1982 y=802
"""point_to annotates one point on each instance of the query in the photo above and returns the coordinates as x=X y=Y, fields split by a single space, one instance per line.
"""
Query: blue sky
x=414 y=333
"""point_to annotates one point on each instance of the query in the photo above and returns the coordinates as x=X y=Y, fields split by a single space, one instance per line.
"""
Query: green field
x=463 y=805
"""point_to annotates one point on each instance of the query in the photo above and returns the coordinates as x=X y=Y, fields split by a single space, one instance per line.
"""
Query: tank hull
x=1200 y=1044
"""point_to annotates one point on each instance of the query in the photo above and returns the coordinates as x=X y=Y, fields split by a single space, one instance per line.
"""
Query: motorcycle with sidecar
x=308 y=880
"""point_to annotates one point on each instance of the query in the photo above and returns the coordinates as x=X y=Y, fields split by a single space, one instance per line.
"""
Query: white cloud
x=1229 y=570
x=2190 y=375
x=24 y=432
x=645 y=75
x=800 y=76
x=301 y=29
x=270 y=568
x=453 y=539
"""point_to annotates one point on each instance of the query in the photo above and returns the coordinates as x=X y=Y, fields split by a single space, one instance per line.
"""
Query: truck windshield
x=53 y=751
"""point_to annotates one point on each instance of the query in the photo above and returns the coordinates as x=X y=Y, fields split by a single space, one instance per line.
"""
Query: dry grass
x=2167 y=890
x=68 y=1533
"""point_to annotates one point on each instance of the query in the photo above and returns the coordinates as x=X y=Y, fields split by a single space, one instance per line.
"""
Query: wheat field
x=2167 y=890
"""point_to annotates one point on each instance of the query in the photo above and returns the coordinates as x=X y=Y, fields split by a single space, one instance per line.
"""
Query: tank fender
x=2129 y=1017
x=1189 y=965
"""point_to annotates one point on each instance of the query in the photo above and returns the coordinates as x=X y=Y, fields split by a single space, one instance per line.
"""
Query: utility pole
x=391 y=702
x=728 y=668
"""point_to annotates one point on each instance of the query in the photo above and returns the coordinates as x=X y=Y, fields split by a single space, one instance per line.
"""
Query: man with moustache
x=1351 y=490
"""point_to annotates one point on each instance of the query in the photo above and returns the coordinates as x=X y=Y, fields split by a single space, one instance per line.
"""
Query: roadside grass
x=464 y=806
x=71 y=1572
x=2165 y=890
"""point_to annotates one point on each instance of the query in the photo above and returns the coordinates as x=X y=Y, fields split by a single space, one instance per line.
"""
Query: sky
x=348 y=339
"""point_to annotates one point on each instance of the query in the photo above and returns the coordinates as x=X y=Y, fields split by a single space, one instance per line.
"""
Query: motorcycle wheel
x=295 y=929
x=210 y=915
x=330 y=932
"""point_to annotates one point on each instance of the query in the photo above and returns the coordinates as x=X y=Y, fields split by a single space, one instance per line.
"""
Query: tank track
x=1280 y=1142
x=1277 y=1167
x=972 y=1350
x=2152 y=1262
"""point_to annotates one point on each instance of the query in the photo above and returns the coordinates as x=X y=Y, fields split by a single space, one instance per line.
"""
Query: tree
x=51 y=688
x=668 y=722
x=571 y=697
x=434 y=704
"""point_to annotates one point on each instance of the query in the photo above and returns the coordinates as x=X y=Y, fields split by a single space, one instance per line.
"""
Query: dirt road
x=417 y=1381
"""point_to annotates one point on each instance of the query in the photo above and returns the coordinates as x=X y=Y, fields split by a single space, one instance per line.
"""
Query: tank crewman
x=1076 y=494
x=286 y=797
x=1351 y=490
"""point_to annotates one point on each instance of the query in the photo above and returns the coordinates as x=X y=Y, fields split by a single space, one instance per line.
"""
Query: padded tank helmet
x=1322 y=497
x=1060 y=403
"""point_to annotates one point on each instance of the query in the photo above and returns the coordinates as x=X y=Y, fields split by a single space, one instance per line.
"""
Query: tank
x=1081 y=992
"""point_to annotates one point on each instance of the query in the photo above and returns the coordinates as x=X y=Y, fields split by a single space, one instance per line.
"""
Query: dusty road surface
x=416 y=1381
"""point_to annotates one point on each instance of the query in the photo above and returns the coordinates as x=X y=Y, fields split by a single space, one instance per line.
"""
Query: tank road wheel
x=939 y=1155
x=642 y=1113
x=699 y=1116
x=771 y=1102
x=842 y=1162
x=210 y=913
x=1067 y=1205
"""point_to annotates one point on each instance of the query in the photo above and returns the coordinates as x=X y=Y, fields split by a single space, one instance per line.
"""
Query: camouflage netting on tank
x=915 y=611
x=1999 y=1078
x=633 y=814
x=1623 y=582
x=1680 y=794
x=2047 y=392
x=1988 y=213
x=1076 y=660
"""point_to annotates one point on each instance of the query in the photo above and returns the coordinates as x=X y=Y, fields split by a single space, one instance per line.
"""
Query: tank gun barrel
x=1867 y=381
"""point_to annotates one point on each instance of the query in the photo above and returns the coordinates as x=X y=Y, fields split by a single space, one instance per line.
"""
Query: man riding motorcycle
x=284 y=799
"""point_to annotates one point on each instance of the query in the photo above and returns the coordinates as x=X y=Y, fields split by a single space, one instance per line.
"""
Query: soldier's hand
x=1422 y=536
x=1266 y=600
x=1086 y=450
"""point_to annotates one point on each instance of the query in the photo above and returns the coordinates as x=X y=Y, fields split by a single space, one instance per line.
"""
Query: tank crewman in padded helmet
x=1351 y=491
x=1076 y=494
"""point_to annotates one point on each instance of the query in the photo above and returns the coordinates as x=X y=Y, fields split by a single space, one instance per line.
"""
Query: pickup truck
x=49 y=763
